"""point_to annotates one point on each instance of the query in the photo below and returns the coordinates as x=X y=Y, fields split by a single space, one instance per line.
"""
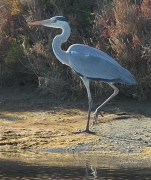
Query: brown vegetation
x=120 y=28
x=124 y=29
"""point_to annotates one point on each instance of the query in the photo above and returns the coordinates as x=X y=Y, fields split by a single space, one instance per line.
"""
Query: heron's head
x=55 y=22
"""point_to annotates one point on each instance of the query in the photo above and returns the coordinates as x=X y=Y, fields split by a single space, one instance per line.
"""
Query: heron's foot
x=95 y=118
x=84 y=131
x=101 y=114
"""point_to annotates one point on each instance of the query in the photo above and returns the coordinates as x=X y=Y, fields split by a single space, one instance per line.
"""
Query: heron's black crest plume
x=61 y=18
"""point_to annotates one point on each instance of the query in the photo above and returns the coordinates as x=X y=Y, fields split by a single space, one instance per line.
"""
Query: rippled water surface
x=36 y=166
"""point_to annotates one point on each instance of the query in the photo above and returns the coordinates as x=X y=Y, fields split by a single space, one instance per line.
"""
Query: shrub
x=45 y=63
x=120 y=28
x=14 y=52
x=125 y=35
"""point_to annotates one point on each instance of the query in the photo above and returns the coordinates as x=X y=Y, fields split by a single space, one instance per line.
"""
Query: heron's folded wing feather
x=97 y=65
x=94 y=67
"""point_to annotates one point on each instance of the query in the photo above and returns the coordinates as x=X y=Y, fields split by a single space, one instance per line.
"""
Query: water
x=45 y=166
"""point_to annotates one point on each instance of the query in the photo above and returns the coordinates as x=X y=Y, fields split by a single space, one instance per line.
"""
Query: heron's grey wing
x=92 y=67
x=97 y=65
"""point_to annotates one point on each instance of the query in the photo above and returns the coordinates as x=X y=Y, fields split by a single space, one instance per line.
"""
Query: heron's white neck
x=56 y=45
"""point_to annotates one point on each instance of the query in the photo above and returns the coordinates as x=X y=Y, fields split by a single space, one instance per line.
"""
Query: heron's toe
x=95 y=119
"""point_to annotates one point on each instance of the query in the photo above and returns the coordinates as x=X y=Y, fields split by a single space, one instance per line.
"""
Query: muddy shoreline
x=30 y=121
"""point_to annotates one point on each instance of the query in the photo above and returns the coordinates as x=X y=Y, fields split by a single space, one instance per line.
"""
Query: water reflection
x=67 y=166
x=92 y=174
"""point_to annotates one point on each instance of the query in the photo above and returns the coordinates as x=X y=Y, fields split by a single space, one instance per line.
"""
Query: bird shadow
x=83 y=131
x=126 y=108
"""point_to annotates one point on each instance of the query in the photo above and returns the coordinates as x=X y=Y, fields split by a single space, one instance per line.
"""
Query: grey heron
x=88 y=62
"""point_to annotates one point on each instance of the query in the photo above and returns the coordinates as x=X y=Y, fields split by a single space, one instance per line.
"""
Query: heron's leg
x=86 y=83
x=116 y=91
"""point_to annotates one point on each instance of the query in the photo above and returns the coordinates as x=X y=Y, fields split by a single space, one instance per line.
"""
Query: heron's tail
x=128 y=78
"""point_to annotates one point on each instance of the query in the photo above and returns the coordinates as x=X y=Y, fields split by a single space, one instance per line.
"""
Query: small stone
x=139 y=139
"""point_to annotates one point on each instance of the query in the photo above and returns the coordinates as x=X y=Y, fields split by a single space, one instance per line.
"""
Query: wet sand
x=32 y=121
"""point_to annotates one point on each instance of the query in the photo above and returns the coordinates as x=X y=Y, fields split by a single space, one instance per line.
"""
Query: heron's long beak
x=36 y=23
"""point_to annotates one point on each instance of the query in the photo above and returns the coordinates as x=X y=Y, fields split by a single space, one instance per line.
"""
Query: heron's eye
x=55 y=20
